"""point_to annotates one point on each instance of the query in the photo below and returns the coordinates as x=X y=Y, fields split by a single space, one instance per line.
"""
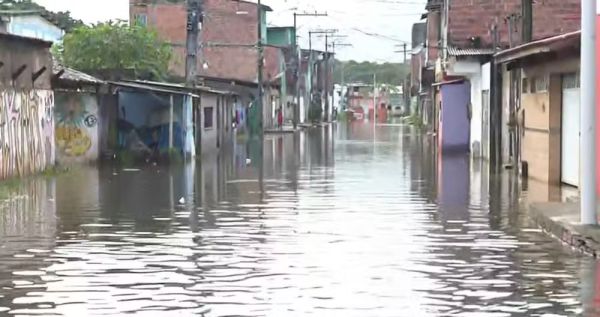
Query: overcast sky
x=388 y=22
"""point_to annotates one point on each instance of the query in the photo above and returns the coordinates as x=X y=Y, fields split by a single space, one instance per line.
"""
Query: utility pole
x=527 y=14
x=194 y=22
x=326 y=79
x=325 y=60
x=374 y=100
x=495 y=106
x=404 y=50
x=261 y=61
x=298 y=62
x=588 y=113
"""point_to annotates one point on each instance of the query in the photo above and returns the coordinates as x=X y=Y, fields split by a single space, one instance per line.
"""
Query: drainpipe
x=588 y=113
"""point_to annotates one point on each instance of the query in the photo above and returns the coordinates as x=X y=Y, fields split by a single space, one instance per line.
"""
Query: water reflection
x=344 y=220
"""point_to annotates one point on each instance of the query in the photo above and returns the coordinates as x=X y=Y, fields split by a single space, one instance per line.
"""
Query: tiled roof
x=455 y=51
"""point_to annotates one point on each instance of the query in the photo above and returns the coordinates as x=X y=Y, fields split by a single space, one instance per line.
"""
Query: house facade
x=229 y=36
x=461 y=39
x=27 y=118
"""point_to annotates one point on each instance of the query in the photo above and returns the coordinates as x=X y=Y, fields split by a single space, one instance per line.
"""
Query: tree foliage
x=115 y=46
x=389 y=73
x=62 y=19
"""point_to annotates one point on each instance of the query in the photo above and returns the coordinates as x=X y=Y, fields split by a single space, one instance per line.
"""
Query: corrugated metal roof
x=180 y=86
x=70 y=74
x=455 y=51
x=138 y=86
x=540 y=46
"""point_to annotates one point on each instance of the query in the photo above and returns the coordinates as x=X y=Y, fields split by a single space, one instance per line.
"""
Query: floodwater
x=340 y=221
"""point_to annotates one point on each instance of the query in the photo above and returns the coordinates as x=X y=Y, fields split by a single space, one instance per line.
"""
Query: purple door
x=454 y=118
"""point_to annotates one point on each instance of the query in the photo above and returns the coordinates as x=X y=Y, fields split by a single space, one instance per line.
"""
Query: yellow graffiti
x=73 y=141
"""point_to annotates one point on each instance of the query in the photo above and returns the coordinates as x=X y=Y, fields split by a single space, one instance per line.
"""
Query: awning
x=455 y=51
x=546 y=45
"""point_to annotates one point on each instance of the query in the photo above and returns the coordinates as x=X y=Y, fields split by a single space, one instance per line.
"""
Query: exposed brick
x=222 y=25
x=550 y=17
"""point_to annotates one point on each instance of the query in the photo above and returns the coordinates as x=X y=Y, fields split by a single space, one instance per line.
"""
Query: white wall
x=486 y=70
x=485 y=85
x=36 y=27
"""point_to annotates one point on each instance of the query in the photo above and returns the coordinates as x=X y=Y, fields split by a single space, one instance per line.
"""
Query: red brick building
x=229 y=28
x=460 y=46
x=470 y=21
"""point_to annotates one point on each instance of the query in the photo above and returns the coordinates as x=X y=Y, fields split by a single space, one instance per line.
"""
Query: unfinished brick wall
x=222 y=25
x=475 y=18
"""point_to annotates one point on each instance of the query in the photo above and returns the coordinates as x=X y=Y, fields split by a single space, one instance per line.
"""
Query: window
x=141 y=19
x=208 y=117
x=525 y=86
x=539 y=84
x=570 y=81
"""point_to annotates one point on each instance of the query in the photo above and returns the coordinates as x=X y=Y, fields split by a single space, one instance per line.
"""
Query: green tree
x=62 y=19
x=389 y=73
x=115 y=47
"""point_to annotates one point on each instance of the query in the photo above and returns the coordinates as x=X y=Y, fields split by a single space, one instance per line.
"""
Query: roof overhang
x=150 y=88
x=448 y=82
x=459 y=52
x=547 y=45
x=66 y=74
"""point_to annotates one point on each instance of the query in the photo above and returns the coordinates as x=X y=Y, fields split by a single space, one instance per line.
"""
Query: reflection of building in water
x=27 y=231
x=454 y=186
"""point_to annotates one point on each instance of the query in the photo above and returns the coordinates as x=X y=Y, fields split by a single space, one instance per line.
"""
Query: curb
x=556 y=219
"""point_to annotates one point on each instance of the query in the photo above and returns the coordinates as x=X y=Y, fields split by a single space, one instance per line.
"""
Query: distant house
x=29 y=24
x=281 y=35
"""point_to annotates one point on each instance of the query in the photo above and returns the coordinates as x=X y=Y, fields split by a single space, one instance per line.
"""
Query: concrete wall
x=26 y=108
x=77 y=138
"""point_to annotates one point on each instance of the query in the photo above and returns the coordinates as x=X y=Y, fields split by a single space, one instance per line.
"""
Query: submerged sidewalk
x=562 y=220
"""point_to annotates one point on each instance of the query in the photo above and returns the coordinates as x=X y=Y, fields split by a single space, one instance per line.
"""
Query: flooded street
x=339 y=221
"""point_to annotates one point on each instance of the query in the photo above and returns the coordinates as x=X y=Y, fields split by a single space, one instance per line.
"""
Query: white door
x=570 y=130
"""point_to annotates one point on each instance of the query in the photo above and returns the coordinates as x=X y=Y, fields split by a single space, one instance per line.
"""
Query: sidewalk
x=562 y=221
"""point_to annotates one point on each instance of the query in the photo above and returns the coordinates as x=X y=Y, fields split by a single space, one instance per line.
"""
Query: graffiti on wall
x=26 y=131
x=76 y=126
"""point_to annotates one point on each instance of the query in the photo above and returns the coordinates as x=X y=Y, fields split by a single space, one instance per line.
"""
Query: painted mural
x=76 y=127
x=26 y=132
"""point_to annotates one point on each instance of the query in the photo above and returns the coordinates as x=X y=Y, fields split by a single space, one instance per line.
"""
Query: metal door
x=570 y=130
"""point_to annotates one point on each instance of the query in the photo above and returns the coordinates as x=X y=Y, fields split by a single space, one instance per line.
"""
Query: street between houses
x=344 y=220
x=299 y=158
